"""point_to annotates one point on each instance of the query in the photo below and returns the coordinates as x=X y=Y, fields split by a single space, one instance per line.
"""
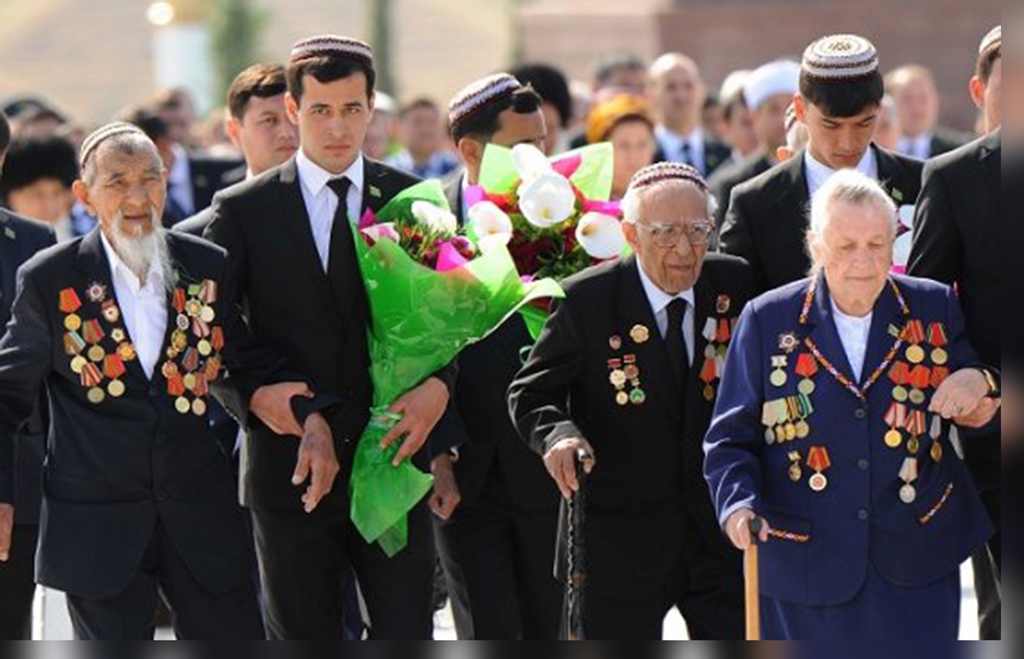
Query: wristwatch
x=994 y=390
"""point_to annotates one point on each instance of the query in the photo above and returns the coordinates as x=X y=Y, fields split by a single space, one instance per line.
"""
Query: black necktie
x=340 y=230
x=675 y=341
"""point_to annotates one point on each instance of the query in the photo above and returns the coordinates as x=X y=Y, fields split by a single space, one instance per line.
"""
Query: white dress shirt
x=179 y=181
x=819 y=173
x=919 y=147
x=143 y=308
x=322 y=203
x=659 y=301
x=853 y=332
x=673 y=144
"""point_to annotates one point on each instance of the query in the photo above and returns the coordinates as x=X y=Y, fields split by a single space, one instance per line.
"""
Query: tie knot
x=676 y=310
x=340 y=186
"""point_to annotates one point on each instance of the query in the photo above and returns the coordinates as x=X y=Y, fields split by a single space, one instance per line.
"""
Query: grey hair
x=127 y=143
x=848 y=186
x=631 y=201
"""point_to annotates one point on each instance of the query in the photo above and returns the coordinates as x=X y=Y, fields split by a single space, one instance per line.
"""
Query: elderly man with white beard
x=128 y=330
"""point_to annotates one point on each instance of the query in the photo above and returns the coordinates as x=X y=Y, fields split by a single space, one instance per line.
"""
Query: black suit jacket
x=21 y=240
x=318 y=323
x=729 y=176
x=768 y=216
x=211 y=175
x=945 y=140
x=115 y=469
x=957 y=236
x=649 y=473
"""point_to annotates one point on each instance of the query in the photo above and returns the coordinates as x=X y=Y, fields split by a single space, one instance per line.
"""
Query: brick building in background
x=723 y=35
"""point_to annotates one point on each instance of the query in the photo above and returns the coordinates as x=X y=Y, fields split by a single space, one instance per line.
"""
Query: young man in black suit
x=841 y=91
x=497 y=547
x=128 y=329
x=290 y=245
x=957 y=237
x=626 y=369
x=21 y=239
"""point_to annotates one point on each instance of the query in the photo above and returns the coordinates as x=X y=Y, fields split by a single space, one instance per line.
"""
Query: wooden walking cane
x=576 y=549
x=752 y=578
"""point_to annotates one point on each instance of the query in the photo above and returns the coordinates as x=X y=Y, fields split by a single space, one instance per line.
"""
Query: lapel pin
x=640 y=334
x=375 y=192
x=9 y=232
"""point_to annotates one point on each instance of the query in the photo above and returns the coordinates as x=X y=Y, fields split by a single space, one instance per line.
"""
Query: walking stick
x=576 y=546
x=752 y=578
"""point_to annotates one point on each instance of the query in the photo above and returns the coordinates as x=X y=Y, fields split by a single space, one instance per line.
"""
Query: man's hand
x=317 y=462
x=982 y=414
x=737 y=527
x=6 y=531
x=421 y=409
x=446 y=497
x=560 y=461
x=960 y=395
x=273 y=405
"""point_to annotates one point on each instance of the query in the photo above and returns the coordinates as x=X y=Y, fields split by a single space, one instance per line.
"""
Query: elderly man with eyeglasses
x=627 y=371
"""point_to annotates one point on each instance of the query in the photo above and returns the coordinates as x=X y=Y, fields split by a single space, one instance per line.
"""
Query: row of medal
x=193 y=357
x=83 y=343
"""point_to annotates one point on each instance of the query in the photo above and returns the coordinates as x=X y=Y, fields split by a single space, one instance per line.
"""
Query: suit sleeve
x=539 y=395
x=963 y=356
x=26 y=358
x=732 y=447
x=737 y=238
x=938 y=248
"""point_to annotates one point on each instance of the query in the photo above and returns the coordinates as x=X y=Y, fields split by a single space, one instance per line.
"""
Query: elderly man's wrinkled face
x=855 y=252
x=128 y=190
x=670 y=234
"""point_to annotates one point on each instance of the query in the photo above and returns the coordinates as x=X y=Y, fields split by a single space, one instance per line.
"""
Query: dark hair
x=328 y=69
x=30 y=159
x=5 y=133
x=257 y=81
x=551 y=84
x=482 y=124
x=149 y=121
x=733 y=103
x=987 y=62
x=843 y=98
x=612 y=65
x=421 y=103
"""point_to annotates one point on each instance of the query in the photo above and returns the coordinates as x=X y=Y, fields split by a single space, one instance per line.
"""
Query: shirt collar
x=820 y=171
x=675 y=141
x=179 y=174
x=118 y=269
x=314 y=178
x=658 y=298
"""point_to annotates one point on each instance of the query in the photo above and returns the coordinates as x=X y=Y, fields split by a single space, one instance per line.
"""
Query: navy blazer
x=831 y=535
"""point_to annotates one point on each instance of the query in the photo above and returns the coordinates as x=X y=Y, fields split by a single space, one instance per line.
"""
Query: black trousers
x=18 y=585
x=198 y=614
x=988 y=565
x=707 y=588
x=499 y=562
x=305 y=564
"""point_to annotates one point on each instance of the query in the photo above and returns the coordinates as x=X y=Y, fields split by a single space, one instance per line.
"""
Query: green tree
x=236 y=28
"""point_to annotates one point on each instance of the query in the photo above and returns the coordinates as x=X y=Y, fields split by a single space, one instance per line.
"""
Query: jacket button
x=860 y=414
x=862 y=514
x=863 y=465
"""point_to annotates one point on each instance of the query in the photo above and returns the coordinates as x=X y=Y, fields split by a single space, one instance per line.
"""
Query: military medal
x=110 y=311
x=114 y=368
x=723 y=304
x=936 y=434
x=78 y=363
x=640 y=334
x=915 y=427
x=778 y=377
x=96 y=293
x=199 y=407
x=914 y=335
x=68 y=304
x=788 y=342
x=182 y=405
x=73 y=343
x=622 y=398
x=91 y=378
x=615 y=342
x=920 y=379
x=806 y=367
x=93 y=334
x=937 y=337
x=900 y=375
x=895 y=418
x=908 y=474
x=818 y=460
x=795 y=472
x=637 y=396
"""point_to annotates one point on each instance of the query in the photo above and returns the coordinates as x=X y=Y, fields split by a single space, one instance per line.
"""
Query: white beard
x=140 y=251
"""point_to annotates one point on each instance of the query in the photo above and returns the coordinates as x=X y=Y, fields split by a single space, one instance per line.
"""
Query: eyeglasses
x=667 y=235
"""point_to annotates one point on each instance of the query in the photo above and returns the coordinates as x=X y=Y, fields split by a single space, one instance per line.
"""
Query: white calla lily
x=434 y=218
x=489 y=220
x=906 y=214
x=600 y=235
x=547 y=201
x=530 y=162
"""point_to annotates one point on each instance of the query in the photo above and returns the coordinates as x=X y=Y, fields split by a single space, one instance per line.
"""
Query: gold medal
x=207 y=314
x=640 y=334
x=917 y=397
x=915 y=354
x=818 y=482
x=913 y=445
x=899 y=394
x=199 y=407
x=96 y=395
x=126 y=352
x=778 y=378
x=179 y=340
x=622 y=398
x=617 y=378
x=936 y=451
x=97 y=353
x=115 y=388
x=806 y=386
x=182 y=405
x=190 y=381
x=803 y=430
x=940 y=356
x=77 y=364
x=893 y=438
x=709 y=393
x=795 y=472
x=73 y=322
x=790 y=432
x=193 y=308
x=204 y=348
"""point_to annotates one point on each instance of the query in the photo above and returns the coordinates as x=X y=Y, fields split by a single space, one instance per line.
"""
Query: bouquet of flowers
x=431 y=292
x=554 y=215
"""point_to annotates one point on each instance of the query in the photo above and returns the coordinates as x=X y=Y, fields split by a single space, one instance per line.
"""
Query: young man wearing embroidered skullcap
x=627 y=370
x=841 y=91
x=129 y=330
x=292 y=250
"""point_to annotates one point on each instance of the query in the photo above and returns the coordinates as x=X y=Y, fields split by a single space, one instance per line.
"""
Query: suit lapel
x=823 y=333
x=634 y=311
x=8 y=259
x=991 y=161
x=895 y=178
x=705 y=306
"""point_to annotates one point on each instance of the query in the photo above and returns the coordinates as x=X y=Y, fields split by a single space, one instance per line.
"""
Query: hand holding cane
x=753 y=581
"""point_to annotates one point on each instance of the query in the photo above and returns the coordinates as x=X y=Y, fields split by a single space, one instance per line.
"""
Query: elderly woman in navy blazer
x=838 y=421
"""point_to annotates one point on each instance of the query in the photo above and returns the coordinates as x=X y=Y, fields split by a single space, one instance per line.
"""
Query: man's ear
x=977 y=90
x=800 y=106
x=291 y=108
x=233 y=128
x=629 y=231
x=81 y=192
x=470 y=150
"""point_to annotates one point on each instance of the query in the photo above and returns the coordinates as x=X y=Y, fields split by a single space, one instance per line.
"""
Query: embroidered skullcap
x=104 y=133
x=480 y=94
x=840 y=57
x=668 y=171
x=779 y=77
x=992 y=40
x=330 y=45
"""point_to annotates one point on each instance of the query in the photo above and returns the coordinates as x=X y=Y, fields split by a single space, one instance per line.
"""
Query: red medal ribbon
x=179 y=300
x=896 y=416
x=69 y=302
x=937 y=335
x=939 y=375
x=900 y=373
x=818 y=459
x=113 y=367
x=208 y=291
x=92 y=332
x=709 y=372
x=176 y=385
x=191 y=360
x=217 y=340
x=920 y=377
x=915 y=423
x=806 y=366
x=201 y=387
x=724 y=333
x=91 y=375
x=212 y=368
x=914 y=332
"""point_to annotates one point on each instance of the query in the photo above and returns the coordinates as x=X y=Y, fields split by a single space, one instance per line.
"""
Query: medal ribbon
x=900 y=373
x=916 y=423
x=92 y=332
x=818 y=459
x=113 y=367
x=69 y=302
x=806 y=366
x=914 y=332
x=920 y=377
x=937 y=335
x=896 y=417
